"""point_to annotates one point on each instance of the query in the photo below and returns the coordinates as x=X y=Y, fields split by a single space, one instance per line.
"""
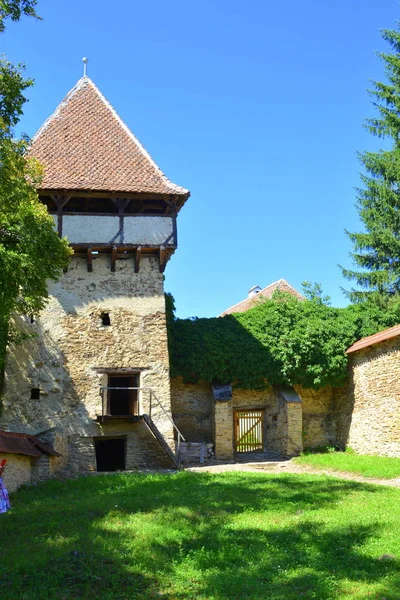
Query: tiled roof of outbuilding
x=23 y=443
x=84 y=145
x=371 y=340
x=282 y=285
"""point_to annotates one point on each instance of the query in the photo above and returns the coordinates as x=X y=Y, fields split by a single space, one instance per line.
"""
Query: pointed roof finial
x=85 y=62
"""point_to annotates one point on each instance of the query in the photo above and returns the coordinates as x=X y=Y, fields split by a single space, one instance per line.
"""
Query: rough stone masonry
x=69 y=348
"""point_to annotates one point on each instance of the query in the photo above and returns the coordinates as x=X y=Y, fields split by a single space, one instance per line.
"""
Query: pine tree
x=377 y=250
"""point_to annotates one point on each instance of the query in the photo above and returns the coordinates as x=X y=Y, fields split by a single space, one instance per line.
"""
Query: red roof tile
x=23 y=443
x=282 y=285
x=84 y=145
x=371 y=340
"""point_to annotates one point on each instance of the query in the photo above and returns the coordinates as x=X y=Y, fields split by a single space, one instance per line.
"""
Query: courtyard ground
x=337 y=464
x=202 y=536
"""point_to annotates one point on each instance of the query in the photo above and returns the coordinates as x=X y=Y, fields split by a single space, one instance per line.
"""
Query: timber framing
x=139 y=203
x=89 y=258
x=138 y=254
x=124 y=252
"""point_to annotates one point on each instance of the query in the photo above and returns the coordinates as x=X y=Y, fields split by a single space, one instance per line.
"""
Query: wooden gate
x=249 y=430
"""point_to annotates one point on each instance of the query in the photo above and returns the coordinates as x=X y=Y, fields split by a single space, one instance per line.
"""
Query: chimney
x=253 y=291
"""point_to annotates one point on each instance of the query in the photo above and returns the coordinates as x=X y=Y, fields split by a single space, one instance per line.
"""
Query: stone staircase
x=151 y=426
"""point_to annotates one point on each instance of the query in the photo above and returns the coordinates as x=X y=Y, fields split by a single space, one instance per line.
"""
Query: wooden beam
x=163 y=259
x=138 y=253
x=113 y=258
x=60 y=202
x=89 y=260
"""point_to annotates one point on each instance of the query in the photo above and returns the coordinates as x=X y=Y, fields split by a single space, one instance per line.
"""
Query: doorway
x=110 y=454
x=123 y=401
x=249 y=430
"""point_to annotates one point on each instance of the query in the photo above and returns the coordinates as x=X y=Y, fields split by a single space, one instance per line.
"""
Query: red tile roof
x=84 y=145
x=23 y=443
x=371 y=340
x=282 y=285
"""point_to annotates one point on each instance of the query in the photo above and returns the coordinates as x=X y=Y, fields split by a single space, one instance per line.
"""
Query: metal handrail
x=180 y=437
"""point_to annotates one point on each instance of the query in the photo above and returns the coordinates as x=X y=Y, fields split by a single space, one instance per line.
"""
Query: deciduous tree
x=30 y=250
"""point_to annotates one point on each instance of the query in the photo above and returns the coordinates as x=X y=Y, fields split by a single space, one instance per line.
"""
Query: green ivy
x=281 y=341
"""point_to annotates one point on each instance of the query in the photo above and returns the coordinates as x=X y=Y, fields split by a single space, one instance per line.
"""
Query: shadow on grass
x=192 y=536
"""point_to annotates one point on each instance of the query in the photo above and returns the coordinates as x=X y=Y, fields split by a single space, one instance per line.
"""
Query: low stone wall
x=373 y=400
x=288 y=426
x=18 y=471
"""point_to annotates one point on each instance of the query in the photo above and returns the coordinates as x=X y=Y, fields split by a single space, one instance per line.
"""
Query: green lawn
x=202 y=537
x=369 y=466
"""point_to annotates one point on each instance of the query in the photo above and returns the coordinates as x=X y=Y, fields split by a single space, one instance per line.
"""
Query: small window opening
x=35 y=394
x=105 y=319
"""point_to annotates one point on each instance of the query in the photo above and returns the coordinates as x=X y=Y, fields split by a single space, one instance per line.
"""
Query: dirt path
x=289 y=466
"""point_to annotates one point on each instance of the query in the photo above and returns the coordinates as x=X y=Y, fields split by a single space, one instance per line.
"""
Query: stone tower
x=94 y=376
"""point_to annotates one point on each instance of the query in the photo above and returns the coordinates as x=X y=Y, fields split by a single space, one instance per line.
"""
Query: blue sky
x=256 y=107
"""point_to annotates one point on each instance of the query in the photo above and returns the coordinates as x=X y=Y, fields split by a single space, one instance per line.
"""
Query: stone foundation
x=142 y=450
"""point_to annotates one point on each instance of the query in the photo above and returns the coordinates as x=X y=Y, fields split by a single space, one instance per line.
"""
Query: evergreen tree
x=377 y=249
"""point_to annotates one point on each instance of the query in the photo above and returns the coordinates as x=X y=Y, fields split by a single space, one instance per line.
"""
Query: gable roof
x=84 y=145
x=282 y=285
x=371 y=340
x=23 y=443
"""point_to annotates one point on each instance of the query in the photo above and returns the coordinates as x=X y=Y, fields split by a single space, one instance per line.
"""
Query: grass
x=382 y=467
x=202 y=537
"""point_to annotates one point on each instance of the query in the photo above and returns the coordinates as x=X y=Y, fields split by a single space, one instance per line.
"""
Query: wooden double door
x=249 y=431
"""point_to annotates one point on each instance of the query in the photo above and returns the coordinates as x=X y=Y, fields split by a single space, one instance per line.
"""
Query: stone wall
x=223 y=427
x=142 y=450
x=18 y=470
x=288 y=427
x=192 y=410
x=293 y=414
x=270 y=402
x=69 y=349
x=373 y=400
x=319 y=416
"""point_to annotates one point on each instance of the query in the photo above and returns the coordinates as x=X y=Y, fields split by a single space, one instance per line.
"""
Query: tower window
x=105 y=319
x=35 y=394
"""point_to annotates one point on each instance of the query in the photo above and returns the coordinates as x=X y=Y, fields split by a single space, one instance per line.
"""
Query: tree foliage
x=281 y=341
x=30 y=250
x=14 y=9
x=376 y=252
